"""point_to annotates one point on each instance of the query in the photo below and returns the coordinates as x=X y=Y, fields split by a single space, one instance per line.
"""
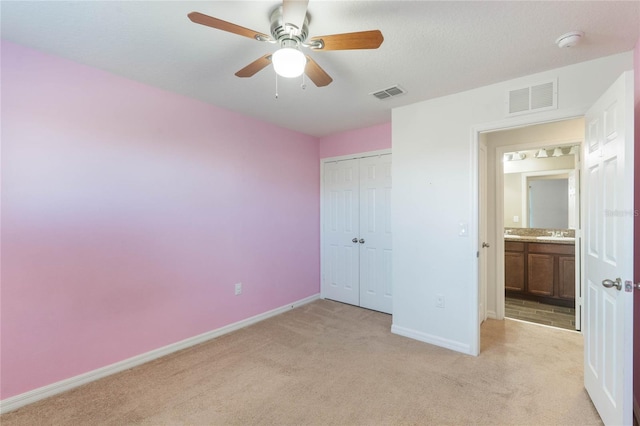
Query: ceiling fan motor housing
x=282 y=31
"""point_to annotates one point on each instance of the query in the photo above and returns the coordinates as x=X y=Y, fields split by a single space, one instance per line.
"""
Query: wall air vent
x=534 y=98
x=389 y=92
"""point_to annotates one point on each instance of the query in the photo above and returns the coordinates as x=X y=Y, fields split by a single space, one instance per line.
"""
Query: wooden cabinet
x=514 y=267
x=540 y=271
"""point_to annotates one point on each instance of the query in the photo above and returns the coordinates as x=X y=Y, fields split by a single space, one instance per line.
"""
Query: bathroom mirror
x=548 y=202
x=540 y=188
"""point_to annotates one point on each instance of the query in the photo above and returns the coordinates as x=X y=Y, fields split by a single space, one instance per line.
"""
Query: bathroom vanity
x=540 y=269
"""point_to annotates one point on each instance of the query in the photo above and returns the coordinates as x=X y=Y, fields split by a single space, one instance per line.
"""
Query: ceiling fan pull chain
x=304 y=84
x=276 y=85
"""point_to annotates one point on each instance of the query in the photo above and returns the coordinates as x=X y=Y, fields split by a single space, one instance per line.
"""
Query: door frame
x=498 y=247
x=323 y=161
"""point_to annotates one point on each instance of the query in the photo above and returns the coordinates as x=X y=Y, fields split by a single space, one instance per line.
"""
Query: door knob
x=355 y=240
x=611 y=283
x=485 y=245
x=361 y=241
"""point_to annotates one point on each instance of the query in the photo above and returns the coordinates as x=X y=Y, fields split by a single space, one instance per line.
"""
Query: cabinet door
x=566 y=277
x=514 y=271
x=540 y=274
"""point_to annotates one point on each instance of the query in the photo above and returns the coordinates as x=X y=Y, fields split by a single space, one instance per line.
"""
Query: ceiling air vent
x=389 y=92
x=538 y=97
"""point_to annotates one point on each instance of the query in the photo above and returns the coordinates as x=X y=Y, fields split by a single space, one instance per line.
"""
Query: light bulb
x=289 y=62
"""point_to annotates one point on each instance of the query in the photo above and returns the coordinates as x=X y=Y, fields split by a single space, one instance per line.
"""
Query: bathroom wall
x=513 y=176
x=525 y=139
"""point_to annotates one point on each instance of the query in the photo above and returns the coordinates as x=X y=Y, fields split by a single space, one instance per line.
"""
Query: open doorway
x=533 y=205
x=541 y=208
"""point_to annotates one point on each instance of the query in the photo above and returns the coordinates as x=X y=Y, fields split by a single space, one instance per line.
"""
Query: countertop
x=550 y=240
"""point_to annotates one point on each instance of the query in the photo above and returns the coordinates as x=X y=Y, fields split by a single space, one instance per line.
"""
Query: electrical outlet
x=238 y=288
x=439 y=301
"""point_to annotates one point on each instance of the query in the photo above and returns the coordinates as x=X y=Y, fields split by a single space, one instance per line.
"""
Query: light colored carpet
x=330 y=363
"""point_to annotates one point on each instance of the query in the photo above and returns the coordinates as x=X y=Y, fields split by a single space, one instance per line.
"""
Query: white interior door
x=375 y=233
x=608 y=252
x=341 y=258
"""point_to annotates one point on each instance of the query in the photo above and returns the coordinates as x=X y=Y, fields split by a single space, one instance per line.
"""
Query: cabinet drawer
x=513 y=246
x=551 y=248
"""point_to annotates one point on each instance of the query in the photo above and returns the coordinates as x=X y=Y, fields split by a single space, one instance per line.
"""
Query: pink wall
x=636 y=238
x=128 y=213
x=355 y=141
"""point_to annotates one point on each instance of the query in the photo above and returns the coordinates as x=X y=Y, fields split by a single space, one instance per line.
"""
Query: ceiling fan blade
x=319 y=76
x=294 y=12
x=359 y=40
x=255 y=66
x=210 y=21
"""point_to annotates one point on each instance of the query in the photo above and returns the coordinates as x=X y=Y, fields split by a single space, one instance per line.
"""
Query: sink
x=512 y=236
x=556 y=238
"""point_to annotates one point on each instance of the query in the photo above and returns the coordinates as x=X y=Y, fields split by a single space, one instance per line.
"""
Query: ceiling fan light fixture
x=289 y=62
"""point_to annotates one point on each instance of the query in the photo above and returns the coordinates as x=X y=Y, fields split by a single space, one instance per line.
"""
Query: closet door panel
x=375 y=233
x=341 y=257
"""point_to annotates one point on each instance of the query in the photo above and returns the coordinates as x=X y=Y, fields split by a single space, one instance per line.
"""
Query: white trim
x=17 y=401
x=431 y=339
x=474 y=231
x=356 y=155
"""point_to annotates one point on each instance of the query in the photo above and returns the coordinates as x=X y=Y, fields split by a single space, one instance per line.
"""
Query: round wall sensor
x=569 y=39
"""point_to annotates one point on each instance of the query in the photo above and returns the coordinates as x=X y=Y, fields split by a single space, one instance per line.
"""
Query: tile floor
x=528 y=310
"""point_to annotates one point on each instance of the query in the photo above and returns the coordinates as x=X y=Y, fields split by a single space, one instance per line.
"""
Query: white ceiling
x=431 y=49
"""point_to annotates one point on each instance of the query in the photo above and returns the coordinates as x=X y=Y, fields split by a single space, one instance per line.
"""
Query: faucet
x=508 y=231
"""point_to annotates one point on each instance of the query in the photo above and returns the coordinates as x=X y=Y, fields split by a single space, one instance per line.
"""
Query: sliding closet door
x=356 y=258
x=341 y=267
x=375 y=233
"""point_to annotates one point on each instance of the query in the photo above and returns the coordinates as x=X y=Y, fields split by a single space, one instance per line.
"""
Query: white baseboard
x=17 y=401
x=492 y=315
x=431 y=339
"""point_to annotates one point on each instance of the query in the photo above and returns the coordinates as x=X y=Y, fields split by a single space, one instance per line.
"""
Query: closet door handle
x=361 y=241
x=355 y=240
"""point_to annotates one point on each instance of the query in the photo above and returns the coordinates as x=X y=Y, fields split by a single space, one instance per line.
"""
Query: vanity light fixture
x=574 y=150
x=513 y=156
x=558 y=152
x=542 y=154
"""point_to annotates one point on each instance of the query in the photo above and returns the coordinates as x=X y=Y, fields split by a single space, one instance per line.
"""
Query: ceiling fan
x=290 y=29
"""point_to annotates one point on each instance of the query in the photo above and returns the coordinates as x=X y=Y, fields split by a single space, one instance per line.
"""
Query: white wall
x=435 y=189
